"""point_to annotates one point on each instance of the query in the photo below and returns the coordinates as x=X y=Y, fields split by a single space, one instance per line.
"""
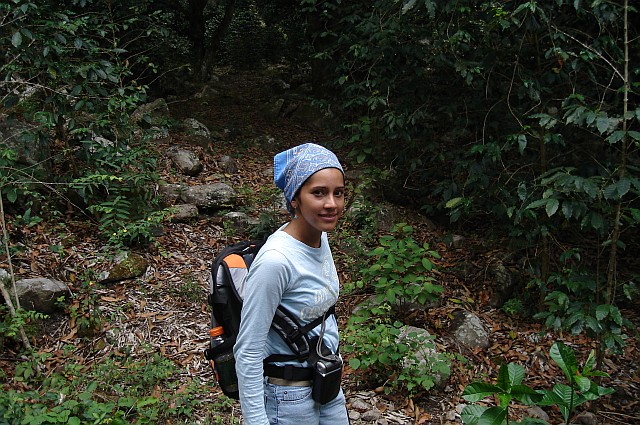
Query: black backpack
x=228 y=274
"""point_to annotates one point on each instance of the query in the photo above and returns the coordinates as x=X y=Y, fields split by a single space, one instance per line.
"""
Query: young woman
x=294 y=269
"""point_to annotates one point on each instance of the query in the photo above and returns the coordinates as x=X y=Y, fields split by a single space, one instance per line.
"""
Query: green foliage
x=381 y=344
x=378 y=347
x=400 y=273
x=513 y=307
x=83 y=309
x=73 y=71
x=574 y=307
x=509 y=387
x=10 y=326
x=542 y=151
x=117 y=390
x=119 y=193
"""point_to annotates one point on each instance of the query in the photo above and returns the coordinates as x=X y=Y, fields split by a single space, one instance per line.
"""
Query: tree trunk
x=213 y=48
x=197 y=28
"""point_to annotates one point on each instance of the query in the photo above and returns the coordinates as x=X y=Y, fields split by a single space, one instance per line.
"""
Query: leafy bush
x=406 y=361
x=10 y=326
x=116 y=389
x=72 y=71
x=400 y=273
x=377 y=341
x=509 y=387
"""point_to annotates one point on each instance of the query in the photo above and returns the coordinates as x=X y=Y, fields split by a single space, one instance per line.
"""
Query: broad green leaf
x=615 y=137
x=583 y=383
x=602 y=311
x=615 y=314
x=453 y=202
x=623 y=186
x=565 y=358
x=476 y=391
x=471 y=413
x=552 y=206
x=16 y=40
x=522 y=143
x=510 y=375
x=493 y=416
x=635 y=135
x=354 y=363
x=567 y=209
x=526 y=394
x=610 y=192
x=602 y=123
x=146 y=401
x=597 y=221
x=536 y=204
x=12 y=195
x=428 y=265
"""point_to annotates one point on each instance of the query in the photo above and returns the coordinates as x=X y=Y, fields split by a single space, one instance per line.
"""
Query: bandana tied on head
x=293 y=167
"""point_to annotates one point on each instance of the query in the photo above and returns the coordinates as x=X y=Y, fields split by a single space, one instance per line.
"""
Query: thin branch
x=5 y=293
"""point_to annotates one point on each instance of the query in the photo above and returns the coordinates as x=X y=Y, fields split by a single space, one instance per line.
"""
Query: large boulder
x=469 y=330
x=186 y=161
x=126 y=265
x=209 y=196
x=197 y=130
x=426 y=360
x=22 y=139
x=41 y=294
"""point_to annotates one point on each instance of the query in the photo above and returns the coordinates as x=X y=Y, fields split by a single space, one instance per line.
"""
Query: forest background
x=513 y=121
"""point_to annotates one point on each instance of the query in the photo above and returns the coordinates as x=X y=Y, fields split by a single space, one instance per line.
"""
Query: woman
x=294 y=269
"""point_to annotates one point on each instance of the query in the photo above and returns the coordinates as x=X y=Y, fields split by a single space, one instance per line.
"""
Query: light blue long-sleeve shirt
x=303 y=280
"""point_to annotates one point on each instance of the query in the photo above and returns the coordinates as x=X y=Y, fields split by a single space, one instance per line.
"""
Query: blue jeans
x=295 y=406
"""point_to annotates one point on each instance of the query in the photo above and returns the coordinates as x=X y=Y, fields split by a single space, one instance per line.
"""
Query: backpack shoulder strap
x=286 y=325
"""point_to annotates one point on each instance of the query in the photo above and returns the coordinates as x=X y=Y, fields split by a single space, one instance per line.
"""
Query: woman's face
x=320 y=201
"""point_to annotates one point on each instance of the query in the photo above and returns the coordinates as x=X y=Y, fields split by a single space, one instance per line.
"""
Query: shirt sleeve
x=265 y=285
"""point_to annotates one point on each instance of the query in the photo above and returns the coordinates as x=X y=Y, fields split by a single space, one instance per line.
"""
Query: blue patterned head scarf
x=293 y=167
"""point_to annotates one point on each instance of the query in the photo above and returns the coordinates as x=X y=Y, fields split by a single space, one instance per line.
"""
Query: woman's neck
x=304 y=234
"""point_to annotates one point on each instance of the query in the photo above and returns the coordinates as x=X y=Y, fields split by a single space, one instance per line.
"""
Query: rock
x=279 y=86
x=469 y=330
x=206 y=93
x=170 y=192
x=158 y=134
x=451 y=415
x=360 y=405
x=456 y=241
x=184 y=212
x=239 y=221
x=197 y=129
x=153 y=113
x=209 y=196
x=423 y=358
x=186 y=161
x=586 y=418
x=20 y=138
x=228 y=165
x=371 y=415
x=41 y=294
x=315 y=117
x=127 y=266
x=538 y=413
x=272 y=109
x=504 y=284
